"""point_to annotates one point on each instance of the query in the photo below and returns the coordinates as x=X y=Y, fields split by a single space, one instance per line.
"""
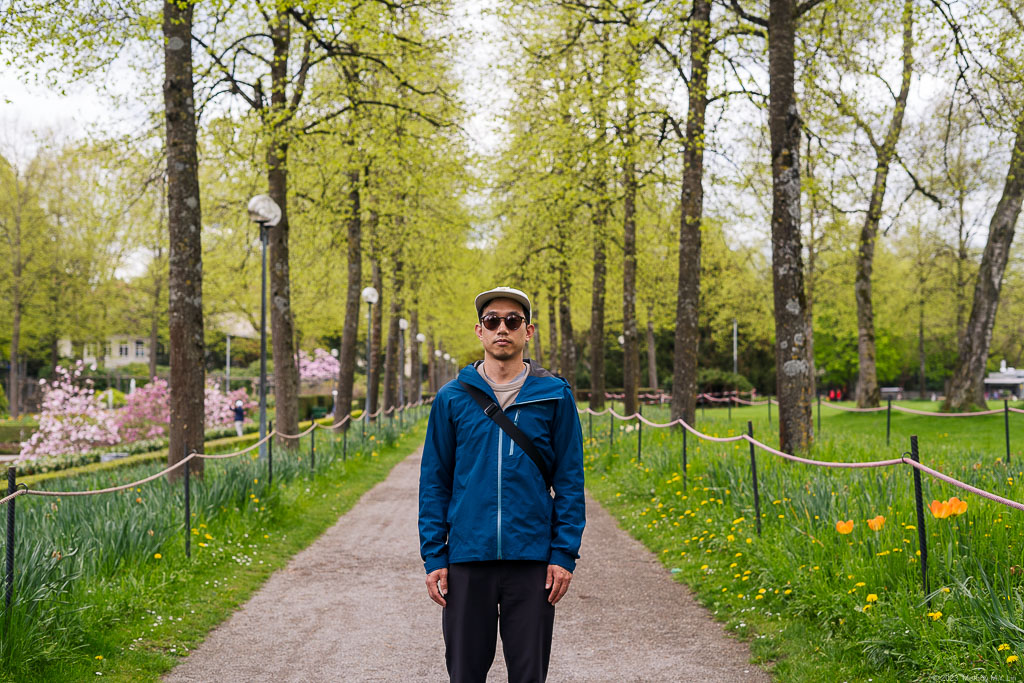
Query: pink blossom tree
x=322 y=367
x=72 y=419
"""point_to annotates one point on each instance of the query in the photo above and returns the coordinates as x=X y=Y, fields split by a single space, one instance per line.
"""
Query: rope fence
x=14 y=490
x=913 y=461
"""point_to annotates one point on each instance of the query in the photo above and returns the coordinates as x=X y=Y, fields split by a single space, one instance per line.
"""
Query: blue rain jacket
x=482 y=497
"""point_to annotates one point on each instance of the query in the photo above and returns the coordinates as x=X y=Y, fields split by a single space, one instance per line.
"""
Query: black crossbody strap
x=494 y=412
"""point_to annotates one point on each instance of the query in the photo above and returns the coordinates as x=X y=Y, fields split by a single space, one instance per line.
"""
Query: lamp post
x=370 y=296
x=447 y=366
x=403 y=325
x=334 y=404
x=264 y=211
x=227 y=379
x=420 y=338
x=437 y=369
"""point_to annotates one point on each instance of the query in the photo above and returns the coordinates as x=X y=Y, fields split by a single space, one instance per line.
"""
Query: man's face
x=502 y=343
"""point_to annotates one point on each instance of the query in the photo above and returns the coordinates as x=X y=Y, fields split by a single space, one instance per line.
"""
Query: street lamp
x=403 y=325
x=370 y=296
x=447 y=365
x=437 y=369
x=420 y=338
x=334 y=404
x=264 y=211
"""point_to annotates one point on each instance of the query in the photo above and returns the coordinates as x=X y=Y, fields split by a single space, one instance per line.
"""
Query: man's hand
x=437 y=585
x=558 y=582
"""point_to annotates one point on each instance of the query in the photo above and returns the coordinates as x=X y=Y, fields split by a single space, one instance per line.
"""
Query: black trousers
x=482 y=596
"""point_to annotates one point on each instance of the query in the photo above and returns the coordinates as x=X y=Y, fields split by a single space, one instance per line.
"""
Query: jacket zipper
x=499 y=492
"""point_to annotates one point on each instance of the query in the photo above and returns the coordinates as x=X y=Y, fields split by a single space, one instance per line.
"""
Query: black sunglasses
x=512 y=321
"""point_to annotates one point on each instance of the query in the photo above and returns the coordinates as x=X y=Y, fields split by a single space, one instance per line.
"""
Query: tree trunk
x=431 y=367
x=376 y=358
x=568 y=360
x=920 y=350
x=793 y=364
x=684 y=356
x=416 y=365
x=538 y=351
x=282 y=324
x=392 y=363
x=967 y=386
x=154 y=326
x=184 y=222
x=652 y=355
x=350 y=331
x=553 y=330
x=631 y=347
x=14 y=394
x=868 y=395
x=597 y=381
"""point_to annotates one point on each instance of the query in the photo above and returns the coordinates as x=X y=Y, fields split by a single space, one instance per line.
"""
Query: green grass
x=800 y=591
x=91 y=593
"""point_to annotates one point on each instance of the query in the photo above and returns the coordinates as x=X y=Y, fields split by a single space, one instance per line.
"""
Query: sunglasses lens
x=513 y=321
x=491 y=322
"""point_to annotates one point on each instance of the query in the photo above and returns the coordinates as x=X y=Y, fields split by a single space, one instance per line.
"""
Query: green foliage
x=799 y=576
x=713 y=380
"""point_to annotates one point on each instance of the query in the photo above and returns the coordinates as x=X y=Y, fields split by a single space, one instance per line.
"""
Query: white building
x=117 y=351
x=1005 y=381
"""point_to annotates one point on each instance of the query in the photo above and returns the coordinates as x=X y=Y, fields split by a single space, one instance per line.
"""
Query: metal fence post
x=769 y=410
x=685 y=433
x=753 y=476
x=590 y=426
x=922 y=538
x=12 y=486
x=611 y=426
x=1006 y=426
x=188 y=511
x=270 y=455
x=344 y=444
x=888 y=420
x=729 y=405
x=312 y=447
x=639 y=434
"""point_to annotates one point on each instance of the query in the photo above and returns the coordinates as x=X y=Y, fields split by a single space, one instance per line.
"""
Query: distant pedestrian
x=239 y=411
x=498 y=548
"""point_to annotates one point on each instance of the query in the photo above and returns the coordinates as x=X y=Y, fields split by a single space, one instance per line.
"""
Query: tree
x=184 y=222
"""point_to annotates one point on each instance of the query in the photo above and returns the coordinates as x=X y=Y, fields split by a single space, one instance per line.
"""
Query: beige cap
x=502 y=293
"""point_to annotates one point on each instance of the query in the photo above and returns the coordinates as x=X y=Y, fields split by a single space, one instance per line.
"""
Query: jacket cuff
x=435 y=563
x=563 y=560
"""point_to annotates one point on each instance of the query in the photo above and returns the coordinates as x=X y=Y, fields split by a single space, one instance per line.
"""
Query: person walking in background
x=498 y=547
x=239 y=411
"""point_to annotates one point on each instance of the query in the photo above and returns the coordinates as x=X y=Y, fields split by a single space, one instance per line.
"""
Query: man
x=497 y=546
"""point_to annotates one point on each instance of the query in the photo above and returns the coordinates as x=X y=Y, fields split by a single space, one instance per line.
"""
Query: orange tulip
x=876 y=523
x=844 y=527
x=948 y=508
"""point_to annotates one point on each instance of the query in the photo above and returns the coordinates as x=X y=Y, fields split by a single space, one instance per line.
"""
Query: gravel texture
x=353 y=606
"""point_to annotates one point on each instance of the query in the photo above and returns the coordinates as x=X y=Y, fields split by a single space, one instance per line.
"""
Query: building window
x=89 y=351
x=140 y=348
x=109 y=349
x=122 y=349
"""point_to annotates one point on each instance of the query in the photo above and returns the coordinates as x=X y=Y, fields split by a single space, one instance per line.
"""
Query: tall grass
x=860 y=595
x=82 y=561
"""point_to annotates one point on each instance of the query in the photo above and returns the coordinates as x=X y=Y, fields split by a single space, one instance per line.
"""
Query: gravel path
x=353 y=607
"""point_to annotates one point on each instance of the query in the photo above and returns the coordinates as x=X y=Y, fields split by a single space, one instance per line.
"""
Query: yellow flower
x=1002 y=647
x=935 y=615
x=703 y=566
x=255 y=481
x=99 y=656
x=202 y=545
x=844 y=527
x=872 y=597
x=759 y=597
x=860 y=584
x=1012 y=659
x=157 y=555
x=208 y=537
x=876 y=523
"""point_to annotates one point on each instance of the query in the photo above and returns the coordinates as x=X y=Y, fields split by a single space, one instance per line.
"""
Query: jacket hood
x=540 y=383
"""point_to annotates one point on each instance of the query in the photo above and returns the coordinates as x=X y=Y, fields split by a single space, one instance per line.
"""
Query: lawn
x=817 y=604
x=103 y=587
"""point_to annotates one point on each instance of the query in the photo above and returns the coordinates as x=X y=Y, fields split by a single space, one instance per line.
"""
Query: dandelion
x=872 y=597
x=208 y=537
x=860 y=584
x=1012 y=659
x=876 y=523
x=99 y=656
x=157 y=556
x=935 y=615
x=1002 y=647
x=844 y=527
